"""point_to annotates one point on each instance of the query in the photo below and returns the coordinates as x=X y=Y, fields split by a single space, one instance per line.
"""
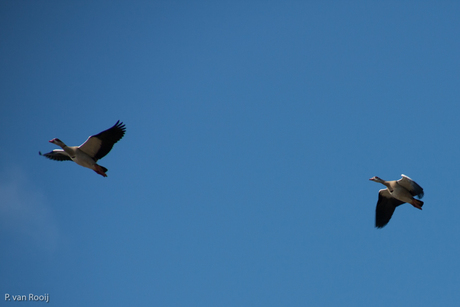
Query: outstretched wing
x=386 y=205
x=411 y=186
x=99 y=145
x=56 y=155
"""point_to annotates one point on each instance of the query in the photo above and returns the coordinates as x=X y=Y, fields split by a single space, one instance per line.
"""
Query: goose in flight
x=87 y=154
x=397 y=192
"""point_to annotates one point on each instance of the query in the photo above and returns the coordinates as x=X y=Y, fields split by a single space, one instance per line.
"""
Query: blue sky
x=242 y=180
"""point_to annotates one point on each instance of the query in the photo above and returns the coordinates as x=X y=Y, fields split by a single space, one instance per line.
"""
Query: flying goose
x=87 y=154
x=397 y=192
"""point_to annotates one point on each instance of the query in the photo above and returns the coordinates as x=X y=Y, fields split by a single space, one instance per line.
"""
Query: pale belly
x=402 y=195
x=84 y=160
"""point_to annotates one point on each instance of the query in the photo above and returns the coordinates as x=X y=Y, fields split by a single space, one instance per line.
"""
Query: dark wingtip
x=119 y=124
x=40 y=153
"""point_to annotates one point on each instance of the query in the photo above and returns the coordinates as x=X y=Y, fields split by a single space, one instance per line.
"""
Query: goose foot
x=417 y=204
x=100 y=171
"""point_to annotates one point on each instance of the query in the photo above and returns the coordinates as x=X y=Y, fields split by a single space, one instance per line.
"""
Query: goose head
x=377 y=179
x=57 y=142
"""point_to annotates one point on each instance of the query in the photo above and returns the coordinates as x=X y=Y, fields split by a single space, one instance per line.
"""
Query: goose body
x=93 y=149
x=397 y=192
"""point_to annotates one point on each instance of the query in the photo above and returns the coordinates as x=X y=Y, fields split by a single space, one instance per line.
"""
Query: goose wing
x=57 y=155
x=386 y=205
x=411 y=186
x=99 y=145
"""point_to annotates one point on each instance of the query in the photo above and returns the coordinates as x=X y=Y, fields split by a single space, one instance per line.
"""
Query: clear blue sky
x=242 y=180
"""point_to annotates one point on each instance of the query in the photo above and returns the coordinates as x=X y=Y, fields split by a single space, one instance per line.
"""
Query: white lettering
x=19 y=298
x=7 y=297
x=42 y=298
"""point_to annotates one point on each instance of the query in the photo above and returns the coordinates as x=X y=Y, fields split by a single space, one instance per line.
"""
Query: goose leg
x=417 y=203
x=98 y=169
